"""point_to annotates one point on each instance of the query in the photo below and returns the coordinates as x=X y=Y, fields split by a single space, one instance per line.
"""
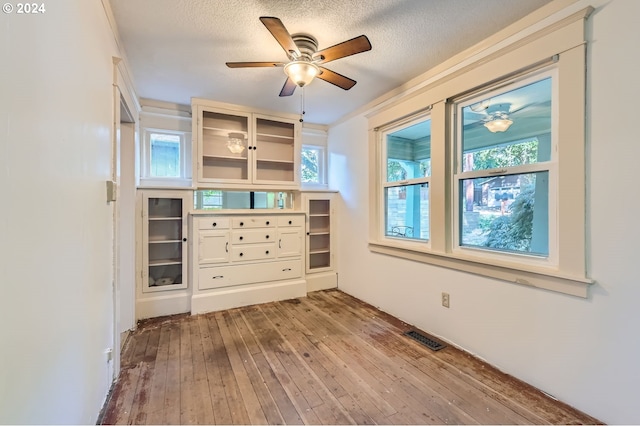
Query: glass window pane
x=506 y=213
x=409 y=152
x=508 y=129
x=310 y=165
x=165 y=155
x=407 y=211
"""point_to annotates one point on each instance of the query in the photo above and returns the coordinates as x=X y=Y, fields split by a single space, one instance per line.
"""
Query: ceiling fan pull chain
x=302 y=105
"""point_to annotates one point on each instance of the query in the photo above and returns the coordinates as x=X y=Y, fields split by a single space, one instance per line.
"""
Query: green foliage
x=514 y=231
x=309 y=165
x=506 y=156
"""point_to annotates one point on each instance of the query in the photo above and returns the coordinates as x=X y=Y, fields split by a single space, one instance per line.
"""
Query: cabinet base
x=234 y=297
x=322 y=281
x=163 y=305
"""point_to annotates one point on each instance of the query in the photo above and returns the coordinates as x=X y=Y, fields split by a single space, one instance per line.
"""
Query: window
x=165 y=155
x=502 y=176
x=491 y=181
x=407 y=159
x=313 y=165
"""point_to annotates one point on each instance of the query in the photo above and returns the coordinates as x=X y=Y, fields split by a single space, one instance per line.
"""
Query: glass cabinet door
x=165 y=244
x=225 y=147
x=274 y=151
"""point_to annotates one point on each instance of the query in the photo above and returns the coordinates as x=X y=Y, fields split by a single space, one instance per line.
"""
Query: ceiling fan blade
x=346 y=48
x=280 y=33
x=288 y=88
x=336 y=79
x=254 y=64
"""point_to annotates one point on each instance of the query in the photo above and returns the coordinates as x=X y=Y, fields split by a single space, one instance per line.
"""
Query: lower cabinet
x=240 y=260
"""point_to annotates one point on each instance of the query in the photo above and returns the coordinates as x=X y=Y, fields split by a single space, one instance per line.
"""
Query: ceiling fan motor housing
x=307 y=45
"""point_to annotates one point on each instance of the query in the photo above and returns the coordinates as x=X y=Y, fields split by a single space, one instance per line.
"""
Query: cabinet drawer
x=253 y=252
x=253 y=222
x=252 y=236
x=213 y=223
x=227 y=276
x=284 y=221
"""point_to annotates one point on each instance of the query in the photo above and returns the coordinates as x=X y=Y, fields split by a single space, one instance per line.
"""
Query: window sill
x=574 y=286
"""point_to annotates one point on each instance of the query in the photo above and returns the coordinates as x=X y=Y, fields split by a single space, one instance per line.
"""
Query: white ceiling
x=177 y=49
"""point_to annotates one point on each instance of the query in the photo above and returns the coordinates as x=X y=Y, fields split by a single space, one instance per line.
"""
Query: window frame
x=385 y=183
x=551 y=166
x=560 y=45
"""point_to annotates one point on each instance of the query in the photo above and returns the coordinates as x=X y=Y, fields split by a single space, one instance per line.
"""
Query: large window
x=504 y=164
x=407 y=160
x=492 y=180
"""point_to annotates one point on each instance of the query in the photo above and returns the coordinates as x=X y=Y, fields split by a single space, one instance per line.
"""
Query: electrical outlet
x=445 y=300
x=108 y=353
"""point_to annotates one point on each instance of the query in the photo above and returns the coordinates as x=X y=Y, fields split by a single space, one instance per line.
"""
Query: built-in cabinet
x=321 y=235
x=247 y=258
x=238 y=147
x=162 y=251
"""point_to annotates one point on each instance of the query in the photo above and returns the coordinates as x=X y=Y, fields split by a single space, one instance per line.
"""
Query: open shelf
x=161 y=262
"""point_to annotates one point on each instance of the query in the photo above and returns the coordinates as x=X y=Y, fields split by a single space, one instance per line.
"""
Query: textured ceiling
x=177 y=49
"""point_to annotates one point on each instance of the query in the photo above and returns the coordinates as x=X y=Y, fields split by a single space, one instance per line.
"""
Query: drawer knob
x=241 y=238
x=241 y=254
x=241 y=223
x=290 y=222
x=214 y=224
x=267 y=237
x=266 y=252
x=267 y=222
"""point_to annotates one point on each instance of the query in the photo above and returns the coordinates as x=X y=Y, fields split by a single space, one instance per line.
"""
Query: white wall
x=584 y=352
x=56 y=256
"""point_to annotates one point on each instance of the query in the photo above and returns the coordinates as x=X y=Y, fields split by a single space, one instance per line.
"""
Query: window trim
x=185 y=159
x=563 y=40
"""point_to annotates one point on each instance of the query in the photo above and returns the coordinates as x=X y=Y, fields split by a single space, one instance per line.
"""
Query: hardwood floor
x=324 y=359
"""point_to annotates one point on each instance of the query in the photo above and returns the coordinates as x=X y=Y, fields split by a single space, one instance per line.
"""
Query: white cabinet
x=321 y=234
x=237 y=147
x=162 y=252
x=242 y=259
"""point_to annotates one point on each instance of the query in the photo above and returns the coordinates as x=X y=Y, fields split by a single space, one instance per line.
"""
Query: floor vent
x=425 y=340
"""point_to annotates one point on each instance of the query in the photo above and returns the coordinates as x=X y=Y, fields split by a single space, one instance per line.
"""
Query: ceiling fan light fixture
x=301 y=72
x=235 y=143
x=498 y=125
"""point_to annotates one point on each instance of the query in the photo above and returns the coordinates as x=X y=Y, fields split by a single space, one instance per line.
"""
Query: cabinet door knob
x=184 y=239
x=308 y=233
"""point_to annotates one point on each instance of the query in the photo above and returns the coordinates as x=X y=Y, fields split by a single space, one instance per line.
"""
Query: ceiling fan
x=305 y=59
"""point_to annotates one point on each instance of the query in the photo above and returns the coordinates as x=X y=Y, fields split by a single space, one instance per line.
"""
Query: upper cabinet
x=238 y=148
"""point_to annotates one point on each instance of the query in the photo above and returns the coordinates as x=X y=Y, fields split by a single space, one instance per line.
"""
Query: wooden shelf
x=319 y=215
x=163 y=241
x=164 y=262
x=312 y=233
x=164 y=218
x=265 y=160
x=319 y=251
x=224 y=157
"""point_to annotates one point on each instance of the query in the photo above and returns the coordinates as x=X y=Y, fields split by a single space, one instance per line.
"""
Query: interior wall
x=582 y=351
x=56 y=255
x=127 y=201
